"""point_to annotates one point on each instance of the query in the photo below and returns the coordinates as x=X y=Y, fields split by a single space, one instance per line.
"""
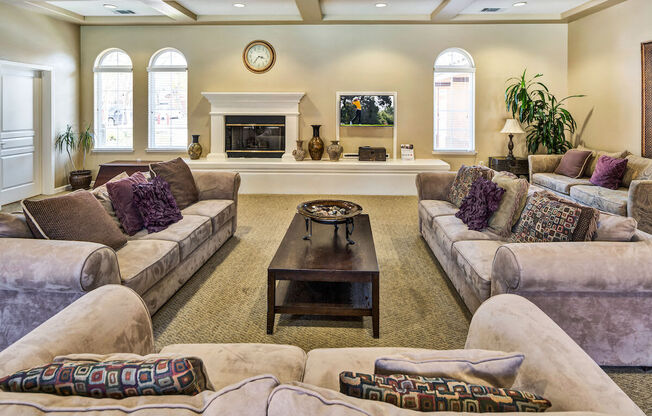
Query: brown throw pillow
x=512 y=204
x=77 y=216
x=182 y=184
x=573 y=163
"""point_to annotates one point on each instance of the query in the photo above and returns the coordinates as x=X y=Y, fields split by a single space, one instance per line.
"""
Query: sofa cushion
x=14 y=226
x=637 y=168
x=449 y=229
x=229 y=363
x=102 y=195
x=145 y=262
x=608 y=200
x=476 y=258
x=429 y=209
x=558 y=183
x=189 y=233
x=511 y=205
x=218 y=210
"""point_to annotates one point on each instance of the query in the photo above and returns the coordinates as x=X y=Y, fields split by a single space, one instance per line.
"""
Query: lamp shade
x=512 y=126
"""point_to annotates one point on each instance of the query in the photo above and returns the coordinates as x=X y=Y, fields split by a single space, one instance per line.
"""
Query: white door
x=20 y=106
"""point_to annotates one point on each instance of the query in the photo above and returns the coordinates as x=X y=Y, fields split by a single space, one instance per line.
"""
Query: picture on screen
x=367 y=110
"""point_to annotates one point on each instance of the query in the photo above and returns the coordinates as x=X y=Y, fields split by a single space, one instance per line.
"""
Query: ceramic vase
x=195 y=149
x=316 y=144
x=299 y=154
x=334 y=150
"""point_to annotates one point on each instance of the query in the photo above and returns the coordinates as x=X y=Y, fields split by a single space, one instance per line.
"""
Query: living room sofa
x=39 y=277
x=599 y=292
x=632 y=199
x=269 y=379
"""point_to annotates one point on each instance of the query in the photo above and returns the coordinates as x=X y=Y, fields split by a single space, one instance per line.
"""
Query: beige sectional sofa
x=632 y=199
x=599 y=292
x=38 y=278
x=275 y=380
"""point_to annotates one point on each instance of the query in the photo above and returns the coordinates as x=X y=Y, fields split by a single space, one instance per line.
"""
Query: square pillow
x=488 y=368
x=511 y=205
x=116 y=379
x=438 y=394
x=609 y=172
x=102 y=195
x=546 y=220
x=122 y=198
x=478 y=205
x=573 y=163
x=587 y=225
x=177 y=173
x=76 y=216
x=615 y=228
x=465 y=177
x=156 y=205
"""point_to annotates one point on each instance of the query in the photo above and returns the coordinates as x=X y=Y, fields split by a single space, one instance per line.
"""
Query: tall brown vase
x=316 y=144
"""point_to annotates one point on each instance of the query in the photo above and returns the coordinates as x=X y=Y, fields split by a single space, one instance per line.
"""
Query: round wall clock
x=259 y=56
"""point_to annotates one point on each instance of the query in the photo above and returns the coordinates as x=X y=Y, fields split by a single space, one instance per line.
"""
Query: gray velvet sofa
x=600 y=293
x=632 y=199
x=38 y=278
x=269 y=379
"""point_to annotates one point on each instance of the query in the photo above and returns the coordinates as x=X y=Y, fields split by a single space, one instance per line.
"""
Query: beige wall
x=321 y=60
x=34 y=38
x=604 y=62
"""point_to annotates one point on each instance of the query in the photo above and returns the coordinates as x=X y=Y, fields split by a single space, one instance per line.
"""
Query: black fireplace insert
x=255 y=136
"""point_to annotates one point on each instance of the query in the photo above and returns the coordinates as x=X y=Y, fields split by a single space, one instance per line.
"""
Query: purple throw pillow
x=480 y=203
x=156 y=204
x=609 y=172
x=122 y=197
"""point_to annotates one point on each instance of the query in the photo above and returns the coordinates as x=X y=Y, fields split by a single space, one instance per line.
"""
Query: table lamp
x=511 y=127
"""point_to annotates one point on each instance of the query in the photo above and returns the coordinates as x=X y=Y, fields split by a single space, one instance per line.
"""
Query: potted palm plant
x=79 y=179
x=545 y=119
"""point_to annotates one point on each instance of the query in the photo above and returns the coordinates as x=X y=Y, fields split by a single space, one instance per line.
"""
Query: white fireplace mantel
x=252 y=103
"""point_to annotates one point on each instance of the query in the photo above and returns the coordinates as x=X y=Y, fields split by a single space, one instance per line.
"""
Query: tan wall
x=34 y=38
x=605 y=64
x=321 y=60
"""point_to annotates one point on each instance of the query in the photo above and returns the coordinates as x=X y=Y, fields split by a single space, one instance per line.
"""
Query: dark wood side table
x=112 y=169
x=518 y=166
x=324 y=275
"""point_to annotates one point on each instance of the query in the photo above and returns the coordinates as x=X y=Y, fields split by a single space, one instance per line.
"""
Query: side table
x=111 y=169
x=518 y=166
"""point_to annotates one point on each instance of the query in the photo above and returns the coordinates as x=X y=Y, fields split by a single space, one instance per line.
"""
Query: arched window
x=454 y=102
x=114 y=128
x=168 y=100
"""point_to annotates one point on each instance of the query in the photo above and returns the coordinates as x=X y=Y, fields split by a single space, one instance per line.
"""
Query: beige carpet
x=226 y=300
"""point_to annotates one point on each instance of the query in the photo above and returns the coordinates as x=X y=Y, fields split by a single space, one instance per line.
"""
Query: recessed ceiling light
x=381 y=4
x=239 y=5
x=110 y=6
x=519 y=3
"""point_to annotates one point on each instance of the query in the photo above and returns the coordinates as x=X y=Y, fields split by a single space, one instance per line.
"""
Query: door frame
x=46 y=122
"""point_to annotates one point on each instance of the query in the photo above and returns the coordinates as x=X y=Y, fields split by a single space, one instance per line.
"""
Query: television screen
x=367 y=110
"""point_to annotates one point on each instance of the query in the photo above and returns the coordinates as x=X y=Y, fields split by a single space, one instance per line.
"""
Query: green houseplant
x=68 y=142
x=545 y=119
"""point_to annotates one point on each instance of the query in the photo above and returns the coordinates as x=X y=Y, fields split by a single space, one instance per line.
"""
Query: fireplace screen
x=255 y=136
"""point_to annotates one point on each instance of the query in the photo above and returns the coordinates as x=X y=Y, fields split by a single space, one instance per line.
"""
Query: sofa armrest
x=217 y=184
x=434 y=185
x=543 y=163
x=555 y=366
x=639 y=204
x=56 y=266
x=593 y=266
x=110 y=319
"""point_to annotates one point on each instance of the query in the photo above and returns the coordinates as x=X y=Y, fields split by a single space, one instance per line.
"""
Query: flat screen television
x=367 y=110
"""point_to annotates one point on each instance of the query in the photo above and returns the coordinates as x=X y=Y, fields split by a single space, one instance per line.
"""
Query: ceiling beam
x=439 y=8
x=57 y=11
x=590 y=7
x=447 y=10
x=172 y=9
x=310 y=10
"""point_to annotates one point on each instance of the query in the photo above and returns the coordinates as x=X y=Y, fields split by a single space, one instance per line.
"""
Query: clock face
x=259 y=56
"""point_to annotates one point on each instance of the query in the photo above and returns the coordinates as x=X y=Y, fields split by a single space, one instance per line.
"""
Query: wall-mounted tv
x=367 y=110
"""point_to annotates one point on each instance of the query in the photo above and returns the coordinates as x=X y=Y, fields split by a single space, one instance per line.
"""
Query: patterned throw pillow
x=546 y=220
x=587 y=225
x=479 y=204
x=113 y=379
x=156 y=205
x=463 y=181
x=438 y=394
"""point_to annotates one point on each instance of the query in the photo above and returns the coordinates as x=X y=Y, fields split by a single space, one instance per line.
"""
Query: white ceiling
x=96 y=7
x=356 y=8
x=544 y=7
x=253 y=7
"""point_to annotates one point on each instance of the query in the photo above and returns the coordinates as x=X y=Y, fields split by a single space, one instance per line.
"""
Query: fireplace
x=255 y=136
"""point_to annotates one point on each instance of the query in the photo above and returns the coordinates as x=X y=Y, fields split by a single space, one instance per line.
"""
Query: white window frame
x=97 y=97
x=151 y=142
x=454 y=69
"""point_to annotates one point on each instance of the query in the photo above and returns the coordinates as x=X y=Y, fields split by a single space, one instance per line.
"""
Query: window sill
x=455 y=152
x=166 y=149
x=113 y=150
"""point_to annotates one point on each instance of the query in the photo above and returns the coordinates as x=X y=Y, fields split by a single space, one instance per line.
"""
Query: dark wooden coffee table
x=324 y=275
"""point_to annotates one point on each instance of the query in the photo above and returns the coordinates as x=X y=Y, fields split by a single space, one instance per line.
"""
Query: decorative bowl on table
x=329 y=211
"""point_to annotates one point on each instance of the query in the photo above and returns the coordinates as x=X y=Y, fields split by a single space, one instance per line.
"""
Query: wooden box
x=368 y=153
